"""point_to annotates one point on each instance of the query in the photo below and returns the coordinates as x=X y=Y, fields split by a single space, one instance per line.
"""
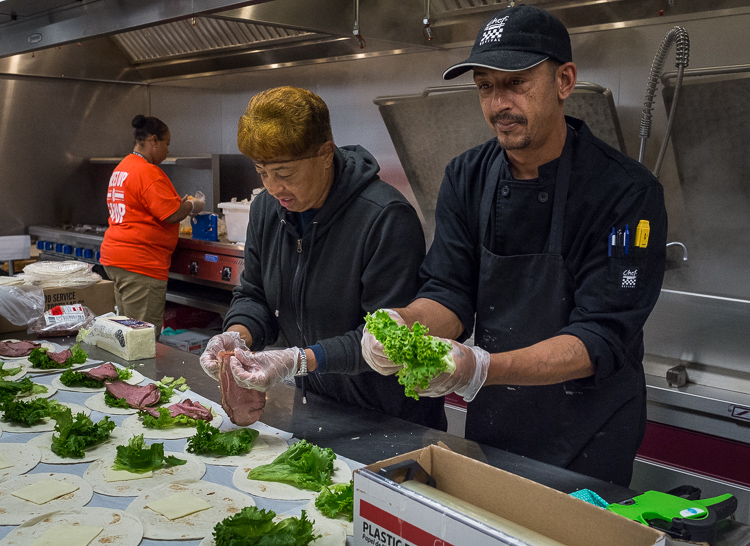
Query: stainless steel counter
x=367 y=436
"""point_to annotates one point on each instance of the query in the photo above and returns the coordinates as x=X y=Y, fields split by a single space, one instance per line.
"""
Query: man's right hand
x=228 y=341
x=372 y=349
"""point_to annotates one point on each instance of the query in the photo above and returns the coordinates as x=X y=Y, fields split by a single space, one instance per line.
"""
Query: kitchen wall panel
x=49 y=127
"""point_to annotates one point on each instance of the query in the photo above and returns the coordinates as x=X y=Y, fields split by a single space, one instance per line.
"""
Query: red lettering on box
x=398 y=527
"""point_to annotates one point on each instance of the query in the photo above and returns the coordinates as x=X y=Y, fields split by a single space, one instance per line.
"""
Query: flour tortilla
x=134 y=423
x=44 y=345
x=96 y=475
x=11 y=366
x=45 y=425
x=15 y=511
x=96 y=403
x=266 y=448
x=136 y=378
x=315 y=514
x=49 y=394
x=224 y=502
x=43 y=442
x=120 y=528
x=24 y=457
x=283 y=491
x=333 y=535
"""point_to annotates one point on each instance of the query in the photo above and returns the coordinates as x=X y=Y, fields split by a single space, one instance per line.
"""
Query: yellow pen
x=641 y=234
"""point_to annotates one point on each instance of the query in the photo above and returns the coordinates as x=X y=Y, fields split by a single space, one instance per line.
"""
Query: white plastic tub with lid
x=236 y=215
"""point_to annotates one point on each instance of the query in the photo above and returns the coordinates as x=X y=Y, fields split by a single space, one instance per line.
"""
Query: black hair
x=146 y=126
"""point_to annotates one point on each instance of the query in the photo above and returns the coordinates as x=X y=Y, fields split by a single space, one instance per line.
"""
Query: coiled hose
x=678 y=36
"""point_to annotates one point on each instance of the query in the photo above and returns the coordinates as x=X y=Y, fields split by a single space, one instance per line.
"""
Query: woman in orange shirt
x=144 y=215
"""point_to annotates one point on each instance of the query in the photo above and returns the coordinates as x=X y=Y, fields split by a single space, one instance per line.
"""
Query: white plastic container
x=236 y=215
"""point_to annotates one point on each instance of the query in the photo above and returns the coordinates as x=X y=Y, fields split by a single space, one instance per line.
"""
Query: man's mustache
x=495 y=118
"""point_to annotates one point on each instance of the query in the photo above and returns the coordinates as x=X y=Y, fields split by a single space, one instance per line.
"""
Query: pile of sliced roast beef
x=16 y=349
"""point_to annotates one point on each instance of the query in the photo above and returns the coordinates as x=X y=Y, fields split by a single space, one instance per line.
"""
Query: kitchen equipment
x=431 y=128
x=205 y=226
x=237 y=216
x=680 y=513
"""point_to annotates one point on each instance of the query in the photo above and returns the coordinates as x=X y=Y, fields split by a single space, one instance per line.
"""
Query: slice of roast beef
x=105 y=372
x=15 y=349
x=60 y=357
x=194 y=410
x=136 y=397
x=243 y=406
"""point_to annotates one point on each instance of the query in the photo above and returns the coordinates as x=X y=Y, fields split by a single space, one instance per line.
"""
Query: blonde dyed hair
x=284 y=122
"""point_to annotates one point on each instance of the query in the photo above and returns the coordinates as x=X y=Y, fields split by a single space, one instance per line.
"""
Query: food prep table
x=365 y=437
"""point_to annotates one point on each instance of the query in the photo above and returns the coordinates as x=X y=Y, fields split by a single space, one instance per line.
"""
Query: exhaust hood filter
x=199 y=35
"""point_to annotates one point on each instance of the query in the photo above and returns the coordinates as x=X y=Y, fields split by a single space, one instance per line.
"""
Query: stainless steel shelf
x=197 y=162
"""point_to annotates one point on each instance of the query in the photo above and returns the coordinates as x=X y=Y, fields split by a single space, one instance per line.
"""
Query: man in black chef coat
x=542 y=241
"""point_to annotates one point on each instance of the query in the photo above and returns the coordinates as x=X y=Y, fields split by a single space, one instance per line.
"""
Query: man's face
x=522 y=108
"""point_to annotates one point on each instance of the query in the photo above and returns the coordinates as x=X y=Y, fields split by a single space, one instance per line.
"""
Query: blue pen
x=611 y=243
x=627 y=239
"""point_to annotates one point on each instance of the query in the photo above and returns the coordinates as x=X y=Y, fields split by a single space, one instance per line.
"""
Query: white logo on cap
x=494 y=30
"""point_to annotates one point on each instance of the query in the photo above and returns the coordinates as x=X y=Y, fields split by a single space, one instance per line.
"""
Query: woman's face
x=160 y=147
x=301 y=183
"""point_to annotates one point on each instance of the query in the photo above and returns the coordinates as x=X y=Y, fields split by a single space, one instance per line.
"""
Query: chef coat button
x=543 y=196
x=505 y=191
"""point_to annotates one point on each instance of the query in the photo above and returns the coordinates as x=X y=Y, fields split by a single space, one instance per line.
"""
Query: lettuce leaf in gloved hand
x=210 y=439
x=336 y=500
x=75 y=434
x=252 y=526
x=422 y=357
x=137 y=457
x=302 y=465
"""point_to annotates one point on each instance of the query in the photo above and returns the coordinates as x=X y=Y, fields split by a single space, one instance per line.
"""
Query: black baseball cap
x=515 y=39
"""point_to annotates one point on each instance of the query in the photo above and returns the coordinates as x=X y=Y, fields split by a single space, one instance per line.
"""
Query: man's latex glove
x=372 y=349
x=472 y=364
x=260 y=371
x=228 y=341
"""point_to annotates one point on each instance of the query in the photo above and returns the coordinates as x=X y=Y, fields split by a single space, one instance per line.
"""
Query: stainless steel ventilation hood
x=171 y=39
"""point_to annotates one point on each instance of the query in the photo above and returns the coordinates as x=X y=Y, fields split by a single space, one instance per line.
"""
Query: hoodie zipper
x=296 y=295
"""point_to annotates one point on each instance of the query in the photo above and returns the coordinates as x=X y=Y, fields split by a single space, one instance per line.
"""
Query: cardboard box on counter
x=99 y=297
x=387 y=513
x=191 y=341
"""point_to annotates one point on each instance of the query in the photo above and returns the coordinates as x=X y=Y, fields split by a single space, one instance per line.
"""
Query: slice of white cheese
x=127 y=338
x=124 y=475
x=68 y=535
x=178 y=505
x=5 y=462
x=44 y=491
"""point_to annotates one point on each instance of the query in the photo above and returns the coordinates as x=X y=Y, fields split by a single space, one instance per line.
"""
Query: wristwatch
x=302 y=368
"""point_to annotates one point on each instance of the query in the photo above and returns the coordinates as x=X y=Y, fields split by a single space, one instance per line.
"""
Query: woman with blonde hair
x=327 y=242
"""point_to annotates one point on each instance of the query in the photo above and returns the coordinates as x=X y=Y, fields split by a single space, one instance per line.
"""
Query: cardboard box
x=387 y=513
x=99 y=297
x=192 y=341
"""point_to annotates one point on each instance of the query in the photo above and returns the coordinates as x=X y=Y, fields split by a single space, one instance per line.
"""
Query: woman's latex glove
x=372 y=349
x=472 y=364
x=260 y=371
x=228 y=341
x=199 y=203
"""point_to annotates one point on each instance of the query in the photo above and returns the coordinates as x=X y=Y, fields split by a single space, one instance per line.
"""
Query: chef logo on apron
x=629 y=277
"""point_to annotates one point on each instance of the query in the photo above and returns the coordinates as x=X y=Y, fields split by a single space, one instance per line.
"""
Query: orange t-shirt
x=140 y=196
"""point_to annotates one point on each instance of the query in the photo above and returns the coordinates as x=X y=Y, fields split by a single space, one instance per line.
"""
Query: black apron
x=525 y=299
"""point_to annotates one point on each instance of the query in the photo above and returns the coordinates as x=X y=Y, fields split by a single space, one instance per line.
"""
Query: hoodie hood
x=354 y=169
